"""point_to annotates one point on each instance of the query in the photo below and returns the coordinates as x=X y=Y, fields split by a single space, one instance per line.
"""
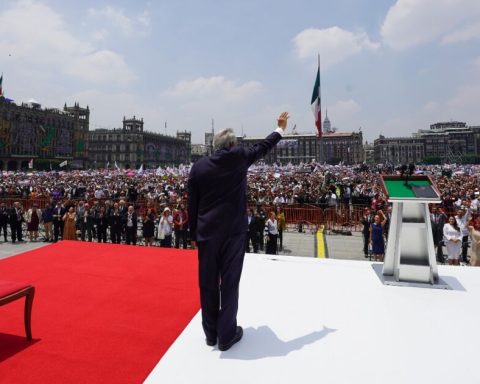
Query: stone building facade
x=47 y=135
x=332 y=148
x=398 y=150
x=131 y=146
x=444 y=142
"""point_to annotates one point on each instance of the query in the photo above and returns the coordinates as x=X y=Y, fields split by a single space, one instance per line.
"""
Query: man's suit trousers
x=220 y=269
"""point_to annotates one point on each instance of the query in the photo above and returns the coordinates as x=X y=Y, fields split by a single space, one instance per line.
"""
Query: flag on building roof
x=316 y=103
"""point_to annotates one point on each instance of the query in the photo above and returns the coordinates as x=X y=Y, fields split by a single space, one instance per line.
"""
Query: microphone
x=411 y=170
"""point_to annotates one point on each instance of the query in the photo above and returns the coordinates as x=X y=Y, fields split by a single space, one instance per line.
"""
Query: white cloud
x=215 y=87
x=42 y=43
x=117 y=19
x=469 y=32
x=102 y=67
x=334 y=44
x=414 y=22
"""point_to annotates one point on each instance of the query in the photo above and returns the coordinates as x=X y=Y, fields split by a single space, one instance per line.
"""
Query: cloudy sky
x=389 y=67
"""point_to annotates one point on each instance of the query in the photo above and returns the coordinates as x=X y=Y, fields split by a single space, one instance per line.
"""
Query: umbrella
x=131 y=174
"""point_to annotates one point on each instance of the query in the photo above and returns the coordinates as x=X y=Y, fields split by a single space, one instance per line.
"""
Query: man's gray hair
x=224 y=139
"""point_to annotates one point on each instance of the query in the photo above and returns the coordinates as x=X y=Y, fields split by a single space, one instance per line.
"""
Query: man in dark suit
x=58 y=213
x=367 y=220
x=438 y=220
x=130 y=223
x=218 y=223
x=16 y=220
x=253 y=231
x=4 y=214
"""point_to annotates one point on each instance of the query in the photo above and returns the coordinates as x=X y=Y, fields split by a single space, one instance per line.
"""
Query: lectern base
x=390 y=280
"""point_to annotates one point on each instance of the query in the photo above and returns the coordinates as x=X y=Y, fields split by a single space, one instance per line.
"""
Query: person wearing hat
x=165 y=228
x=217 y=211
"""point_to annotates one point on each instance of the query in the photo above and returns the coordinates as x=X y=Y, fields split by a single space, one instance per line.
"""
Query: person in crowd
x=102 y=220
x=131 y=224
x=58 y=223
x=165 y=228
x=16 y=220
x=474 y=229
x=70 y=227
x=462 y=221
x=180 y=225
x=282 y=225
x=82 y=214
x=115 y=224
x=218 y=224
x=4 y=214
x=452 y=234
x=33 y=217
x=89 y=223
x=377 y=239
x=437 y=220
x=253 y=231
x=47 y=219
x=366 y=221
x=262 y=219
x=271 y=231
x=148 y=227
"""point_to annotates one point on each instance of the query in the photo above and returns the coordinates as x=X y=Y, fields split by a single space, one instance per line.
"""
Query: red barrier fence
x=341 y=217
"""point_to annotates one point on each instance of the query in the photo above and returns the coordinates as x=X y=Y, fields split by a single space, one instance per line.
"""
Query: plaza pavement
x=295 y=244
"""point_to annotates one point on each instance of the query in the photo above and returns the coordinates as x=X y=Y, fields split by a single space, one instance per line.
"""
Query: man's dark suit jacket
x=217 y=190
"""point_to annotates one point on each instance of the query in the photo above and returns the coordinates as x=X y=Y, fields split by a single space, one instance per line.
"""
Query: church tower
x=327 y=126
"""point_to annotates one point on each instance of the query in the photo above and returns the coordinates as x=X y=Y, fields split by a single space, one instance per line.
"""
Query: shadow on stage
x=262 y=343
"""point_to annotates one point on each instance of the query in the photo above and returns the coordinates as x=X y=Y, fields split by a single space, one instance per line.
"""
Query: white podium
x=410 y=254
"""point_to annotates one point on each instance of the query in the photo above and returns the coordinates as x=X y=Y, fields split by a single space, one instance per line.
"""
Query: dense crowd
x=120 y=206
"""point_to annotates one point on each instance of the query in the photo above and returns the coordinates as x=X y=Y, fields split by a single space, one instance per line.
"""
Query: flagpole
x=322 y=152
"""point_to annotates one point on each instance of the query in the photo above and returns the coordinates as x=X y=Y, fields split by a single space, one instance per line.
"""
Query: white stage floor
x=307 y=320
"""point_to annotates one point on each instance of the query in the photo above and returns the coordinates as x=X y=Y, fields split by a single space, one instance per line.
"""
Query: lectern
x=410 y=254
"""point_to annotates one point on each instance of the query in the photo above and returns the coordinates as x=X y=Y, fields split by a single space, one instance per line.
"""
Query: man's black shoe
x=211 y=342
x=236 y=339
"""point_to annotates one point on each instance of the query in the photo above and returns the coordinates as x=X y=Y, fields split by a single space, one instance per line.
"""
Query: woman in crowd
x=33 y=218
x=69 y=226
x=148 y=228
x=453 y=240
x=474 y=229
x=271 y=228
x=165 y=227
x=377 y=240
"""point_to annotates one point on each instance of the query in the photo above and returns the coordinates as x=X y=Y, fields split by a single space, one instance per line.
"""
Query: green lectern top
x=412 y=188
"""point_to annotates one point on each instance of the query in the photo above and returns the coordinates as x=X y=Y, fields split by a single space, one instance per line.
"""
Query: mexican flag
x=316 y=104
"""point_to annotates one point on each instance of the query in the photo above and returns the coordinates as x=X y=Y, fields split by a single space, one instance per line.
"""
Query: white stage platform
x=307 y=320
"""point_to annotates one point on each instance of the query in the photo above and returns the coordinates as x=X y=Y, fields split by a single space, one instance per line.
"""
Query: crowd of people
x=123 y=206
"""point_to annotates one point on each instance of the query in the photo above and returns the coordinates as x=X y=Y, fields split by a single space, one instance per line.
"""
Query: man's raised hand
x=282 y=120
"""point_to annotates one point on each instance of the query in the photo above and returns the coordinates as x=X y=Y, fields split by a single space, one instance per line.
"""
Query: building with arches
x=49 y=136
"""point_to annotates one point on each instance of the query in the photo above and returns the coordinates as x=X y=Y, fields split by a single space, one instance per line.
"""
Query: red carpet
x=102 y=313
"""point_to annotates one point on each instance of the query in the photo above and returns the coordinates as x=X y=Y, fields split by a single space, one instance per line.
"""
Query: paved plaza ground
x=295 y=244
